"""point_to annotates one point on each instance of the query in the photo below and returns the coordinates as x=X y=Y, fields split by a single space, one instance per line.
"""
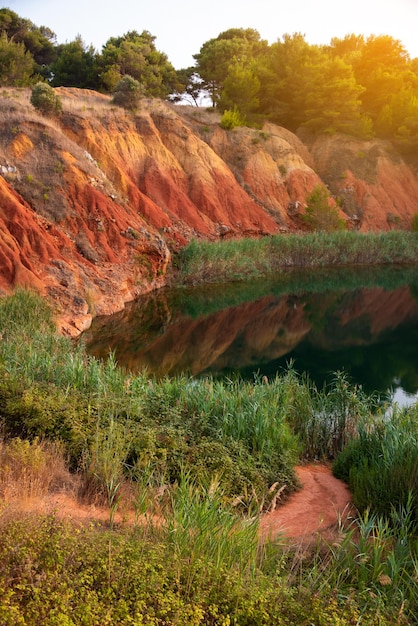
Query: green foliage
x=45 y=100
x=356 y=85
x=218 y=57
x=215 y=447
x=226 y=261
x=381 y=464
x=136 y=55
x=376 y=556
x=127 y=93
x=415 y=223
x=326 y=419
x=231 y=119
x=166 y=425
x=16 y=63
x=332 y=98
x=38 y=41
x=75 y=66
x=240 y=90
x=108 y=453
x=284 y=75
x=201 y=528
x=319 y=215
x=53 y=573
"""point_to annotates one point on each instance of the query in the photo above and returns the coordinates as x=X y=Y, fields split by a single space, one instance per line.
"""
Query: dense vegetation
x=361 y=86
x=225 y=261
x=197 y=460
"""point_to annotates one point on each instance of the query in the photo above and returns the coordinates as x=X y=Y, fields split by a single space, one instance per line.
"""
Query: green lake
x=363 y=322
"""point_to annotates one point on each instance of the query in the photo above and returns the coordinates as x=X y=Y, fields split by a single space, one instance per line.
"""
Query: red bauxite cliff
x=93 y=204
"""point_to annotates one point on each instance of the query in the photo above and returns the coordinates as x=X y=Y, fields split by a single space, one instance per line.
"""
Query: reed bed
x=381 y=463
x=232 y=260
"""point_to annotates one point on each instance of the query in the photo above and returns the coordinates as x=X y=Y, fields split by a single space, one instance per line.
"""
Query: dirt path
x=318 y=506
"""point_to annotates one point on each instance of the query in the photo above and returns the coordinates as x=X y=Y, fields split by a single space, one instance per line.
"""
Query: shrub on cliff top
x=232 y=118
x=127 y=92
x=45 y=100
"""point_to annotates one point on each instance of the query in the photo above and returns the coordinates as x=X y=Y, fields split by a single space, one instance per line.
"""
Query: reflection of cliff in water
x=372 y=334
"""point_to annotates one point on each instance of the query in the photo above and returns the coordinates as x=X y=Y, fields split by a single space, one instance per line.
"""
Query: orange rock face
x=93 y=204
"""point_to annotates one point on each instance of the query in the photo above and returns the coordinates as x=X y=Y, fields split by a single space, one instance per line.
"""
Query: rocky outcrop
x=92 y=205
x=373 y=185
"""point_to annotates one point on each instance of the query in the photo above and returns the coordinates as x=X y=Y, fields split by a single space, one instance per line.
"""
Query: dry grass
x=35 y=479
x=39 y=174
x=32 y=469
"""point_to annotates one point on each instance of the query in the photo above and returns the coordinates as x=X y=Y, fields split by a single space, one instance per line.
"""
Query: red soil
x=318 y=506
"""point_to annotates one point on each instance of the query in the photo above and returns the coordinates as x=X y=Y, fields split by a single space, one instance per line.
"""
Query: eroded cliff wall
x=92 y=205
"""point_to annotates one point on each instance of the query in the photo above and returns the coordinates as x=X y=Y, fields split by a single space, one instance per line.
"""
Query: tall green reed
x=375 y=557
x=248 y=258
x=325 y=419
x=108 y=453
x=204 y=533
x=381 y=463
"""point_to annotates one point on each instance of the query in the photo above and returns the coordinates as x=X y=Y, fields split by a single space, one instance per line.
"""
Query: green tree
x=349 y=48
x=16 y=63
x=232 y=118
x=382 y=69
x=284 y=77
x=188 y=86
x=240 y=90
x=319 y=215
x=236 y=47
x=406 y=134
x=75 y=66
x=333 y=98
x=45 y=100
x=38 y=40
x=401 y=110
x=135 y=55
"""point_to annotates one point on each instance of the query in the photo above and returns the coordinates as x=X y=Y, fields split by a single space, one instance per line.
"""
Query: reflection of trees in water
x=371 y=334
x=377 y=362
x=393 y=361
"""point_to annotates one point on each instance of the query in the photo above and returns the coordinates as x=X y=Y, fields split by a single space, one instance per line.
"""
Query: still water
x=364 y=323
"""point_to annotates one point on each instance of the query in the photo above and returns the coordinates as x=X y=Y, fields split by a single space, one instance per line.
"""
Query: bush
x=231 y=119
x=127 y=93
x=45 y=100
x=319 y=215
x=415 y=223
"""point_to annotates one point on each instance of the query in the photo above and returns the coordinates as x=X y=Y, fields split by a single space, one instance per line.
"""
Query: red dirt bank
x=92 y=205
x=319 y=506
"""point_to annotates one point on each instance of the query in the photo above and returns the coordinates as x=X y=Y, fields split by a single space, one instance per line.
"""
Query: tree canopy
x=136 y=55
x=365 y=86
x=75 y=66
x=38 y=41
x=16 y=63
x=217 y=57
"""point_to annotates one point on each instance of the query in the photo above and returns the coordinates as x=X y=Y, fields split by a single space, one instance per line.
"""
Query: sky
x=181 y=27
